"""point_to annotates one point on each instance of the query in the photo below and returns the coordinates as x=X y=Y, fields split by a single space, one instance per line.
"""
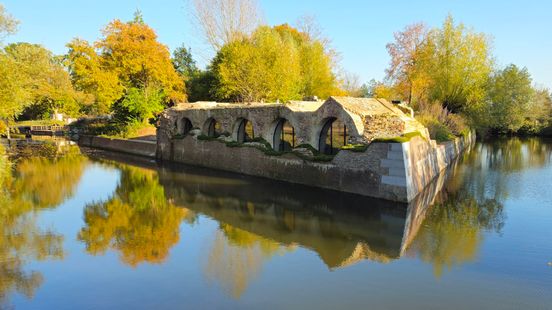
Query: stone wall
x=134 y=147
x=393 y=171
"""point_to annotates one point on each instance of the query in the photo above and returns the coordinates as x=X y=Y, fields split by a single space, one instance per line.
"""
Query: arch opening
x=284 y=136
x=184 y=126
x=212 y=128
x=333 y=136
x=245 y=132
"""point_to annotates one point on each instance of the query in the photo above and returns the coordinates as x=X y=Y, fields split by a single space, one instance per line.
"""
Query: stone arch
x=183 y=126
x=243 y=131
x=333 y=135
x=284 y=138
x=212 y=128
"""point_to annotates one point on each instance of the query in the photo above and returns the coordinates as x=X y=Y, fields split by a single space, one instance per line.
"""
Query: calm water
x=90 y=230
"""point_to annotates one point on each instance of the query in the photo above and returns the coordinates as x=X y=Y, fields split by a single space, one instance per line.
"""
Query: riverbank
x=387 y=170
x=133 y=147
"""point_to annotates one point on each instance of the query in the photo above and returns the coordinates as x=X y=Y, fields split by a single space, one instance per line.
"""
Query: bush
x=442 y=124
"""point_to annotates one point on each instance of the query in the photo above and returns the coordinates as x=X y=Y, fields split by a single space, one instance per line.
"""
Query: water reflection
x=138 y=220
x=34 y=184
x=255 y=220
x=472 y=201
x=259 y=219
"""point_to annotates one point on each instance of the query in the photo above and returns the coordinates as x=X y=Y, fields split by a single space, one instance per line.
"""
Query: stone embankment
x=133 y=147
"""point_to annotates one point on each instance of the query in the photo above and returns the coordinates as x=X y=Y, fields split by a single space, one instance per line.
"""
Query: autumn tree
x=90 y=74
x=409 y=55
x=127 y=57
x=226 y=21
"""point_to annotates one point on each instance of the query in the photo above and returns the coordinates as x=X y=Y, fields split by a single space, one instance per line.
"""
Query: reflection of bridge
x=341 y=228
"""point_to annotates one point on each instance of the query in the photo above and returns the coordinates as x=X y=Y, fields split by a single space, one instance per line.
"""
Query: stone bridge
x=337 y=144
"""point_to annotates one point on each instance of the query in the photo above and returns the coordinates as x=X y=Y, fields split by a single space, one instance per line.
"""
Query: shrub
x=441 y=123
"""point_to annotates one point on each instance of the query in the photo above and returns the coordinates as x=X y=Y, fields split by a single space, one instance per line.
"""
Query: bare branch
x=223 y=21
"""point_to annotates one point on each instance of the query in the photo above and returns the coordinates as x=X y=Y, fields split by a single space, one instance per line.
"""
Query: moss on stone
x=402 y=139
x=355 y=147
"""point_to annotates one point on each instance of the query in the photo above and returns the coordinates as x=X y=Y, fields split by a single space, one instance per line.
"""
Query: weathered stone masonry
x=394 y=171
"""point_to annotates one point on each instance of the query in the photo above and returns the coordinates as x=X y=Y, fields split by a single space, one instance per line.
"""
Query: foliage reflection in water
x=145 y=217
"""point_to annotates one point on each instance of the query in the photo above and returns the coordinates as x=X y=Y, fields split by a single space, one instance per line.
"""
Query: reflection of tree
x=236 y=258
x=20 y=237
x=137 y=221
x=452 y=232
x=47 y=182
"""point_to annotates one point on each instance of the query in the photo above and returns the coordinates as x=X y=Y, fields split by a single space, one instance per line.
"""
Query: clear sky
x=359 y=30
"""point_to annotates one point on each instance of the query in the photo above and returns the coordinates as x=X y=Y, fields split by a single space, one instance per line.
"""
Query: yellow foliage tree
x=127 y=56
x=279 y=63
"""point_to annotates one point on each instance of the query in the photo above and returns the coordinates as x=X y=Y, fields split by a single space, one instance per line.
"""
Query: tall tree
x=183 y=62
x=225 y=21
x=255 y=69
x=316 y=60
x=128 y=56
x=460 y=66
x=90 y=74
x=46 y=80
x=408 y=53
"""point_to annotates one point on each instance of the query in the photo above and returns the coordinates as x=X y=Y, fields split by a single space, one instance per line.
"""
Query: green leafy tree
x=184 y=63
x=459 y=67
x=139 y=104
x=509 y=97
x=256 y=69
x=280 y=63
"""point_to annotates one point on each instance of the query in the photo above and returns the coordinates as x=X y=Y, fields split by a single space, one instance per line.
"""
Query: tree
x=539 y=112
x=350 y=84
x=127 y=56
x=184 y=63
x=449 y=65
x=226 y=21
x=90 y=75
x=132 y=51
x=256 y=69
x=46 y=81
x=509 y=96
x=459 y=67
x=139 y=104
x=316 y=60
x=408 y=53
x=8 y=24
x=14 y=96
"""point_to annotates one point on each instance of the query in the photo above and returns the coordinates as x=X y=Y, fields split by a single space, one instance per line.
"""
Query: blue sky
x=359 y=30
